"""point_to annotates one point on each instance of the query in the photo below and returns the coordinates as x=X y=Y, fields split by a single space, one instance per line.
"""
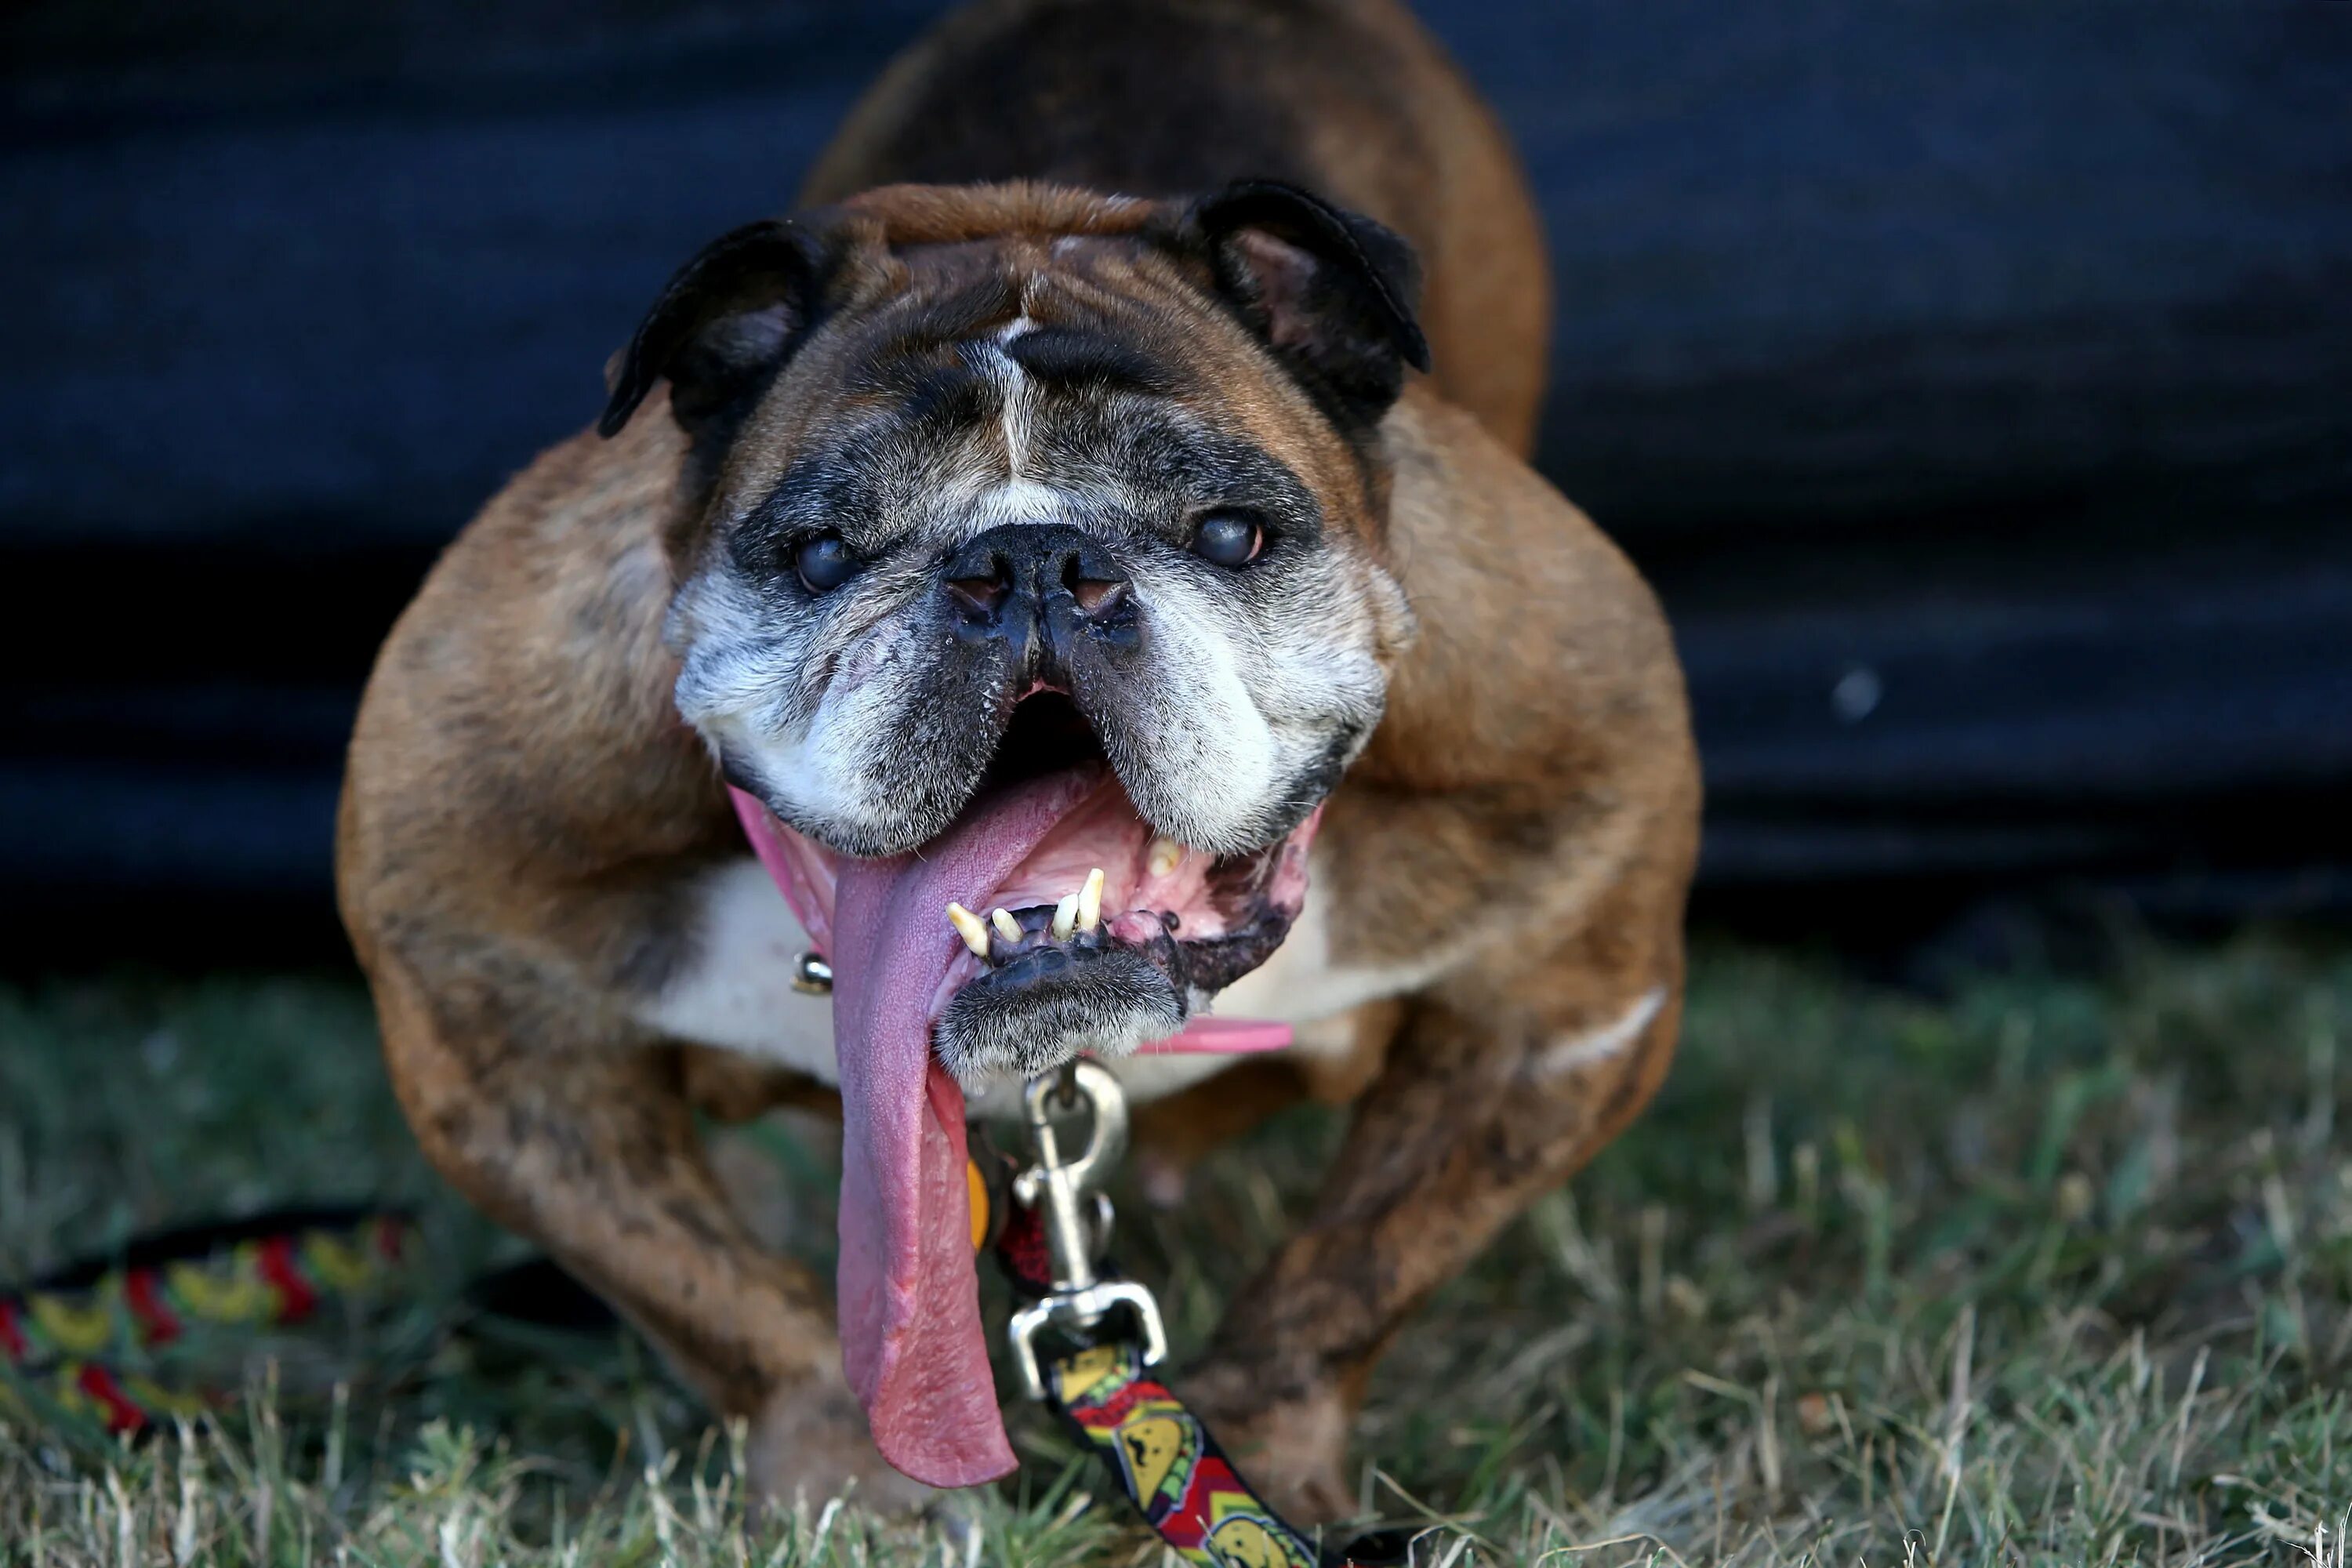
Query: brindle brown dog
x=1044 y=533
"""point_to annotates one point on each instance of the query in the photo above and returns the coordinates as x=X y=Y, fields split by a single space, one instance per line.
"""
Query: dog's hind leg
x=576 y=1130
x=1503 y=1082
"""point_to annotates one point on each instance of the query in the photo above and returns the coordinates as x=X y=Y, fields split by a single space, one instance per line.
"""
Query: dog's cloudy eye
x=824 y=562
x=1228 y=538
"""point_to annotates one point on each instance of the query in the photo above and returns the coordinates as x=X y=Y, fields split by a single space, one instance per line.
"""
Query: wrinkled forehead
x=975 y=333
x=1084 y=309
x=1018 y=362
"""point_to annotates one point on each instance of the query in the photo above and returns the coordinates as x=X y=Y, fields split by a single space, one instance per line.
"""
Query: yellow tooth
x=1066 y=917
x=1090 y=901
x=1165 y=853
x=1006 y=926
x=968 y=926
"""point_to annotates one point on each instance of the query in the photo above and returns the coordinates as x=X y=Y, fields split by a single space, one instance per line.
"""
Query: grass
x=2045 y=1270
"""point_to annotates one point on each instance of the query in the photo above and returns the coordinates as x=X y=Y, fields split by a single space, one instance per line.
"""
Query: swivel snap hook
x=1078 y=1299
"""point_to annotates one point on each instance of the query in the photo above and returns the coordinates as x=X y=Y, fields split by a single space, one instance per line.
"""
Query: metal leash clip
x=1078 y=1299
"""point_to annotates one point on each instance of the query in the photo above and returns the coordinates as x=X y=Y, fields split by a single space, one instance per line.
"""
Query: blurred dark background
x=1974 y=380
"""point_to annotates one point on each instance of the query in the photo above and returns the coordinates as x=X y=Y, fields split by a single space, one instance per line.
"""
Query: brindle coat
x=1500 y=875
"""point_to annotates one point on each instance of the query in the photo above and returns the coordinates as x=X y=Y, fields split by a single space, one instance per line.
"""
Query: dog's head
x=1026 y=527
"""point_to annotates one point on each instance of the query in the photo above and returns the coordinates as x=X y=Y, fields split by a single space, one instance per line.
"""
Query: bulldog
x=1076 y=573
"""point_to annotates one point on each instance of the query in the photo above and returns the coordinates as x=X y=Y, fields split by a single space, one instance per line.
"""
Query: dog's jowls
x=1044 y=548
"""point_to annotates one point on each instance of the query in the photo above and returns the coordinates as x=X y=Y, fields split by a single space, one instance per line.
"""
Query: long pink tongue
x=910 y=1333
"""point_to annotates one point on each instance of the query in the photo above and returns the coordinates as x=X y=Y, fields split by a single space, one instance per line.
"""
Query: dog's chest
x=736 y=992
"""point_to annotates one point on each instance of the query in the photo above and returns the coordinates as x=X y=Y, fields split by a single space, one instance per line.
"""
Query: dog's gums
x=1036 y=977
x=1107 y=935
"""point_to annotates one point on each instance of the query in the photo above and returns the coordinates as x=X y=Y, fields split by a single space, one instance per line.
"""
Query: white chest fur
x=737 y=993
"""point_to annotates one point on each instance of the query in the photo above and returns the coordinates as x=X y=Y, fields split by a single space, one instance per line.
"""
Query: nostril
x=1096 y=595
x=980 y=595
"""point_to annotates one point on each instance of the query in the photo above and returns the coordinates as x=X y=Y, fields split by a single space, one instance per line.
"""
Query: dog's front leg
x=1500 y=1086
x=576 y=1130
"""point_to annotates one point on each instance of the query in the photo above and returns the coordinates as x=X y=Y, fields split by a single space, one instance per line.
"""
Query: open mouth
x=1103 y=935
x=1107 y=935
x=1049 y=919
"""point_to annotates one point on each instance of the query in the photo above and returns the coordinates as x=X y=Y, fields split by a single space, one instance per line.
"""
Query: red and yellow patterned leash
x=1086 y=1342
x=75 y=1336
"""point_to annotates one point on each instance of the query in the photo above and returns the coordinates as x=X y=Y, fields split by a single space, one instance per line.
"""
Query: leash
x=75 y=1337
x=1086 y=1339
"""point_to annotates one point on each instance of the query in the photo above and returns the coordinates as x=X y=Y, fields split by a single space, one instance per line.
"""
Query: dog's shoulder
x=1541 y=647
x=1536 y=747
x=517 y=734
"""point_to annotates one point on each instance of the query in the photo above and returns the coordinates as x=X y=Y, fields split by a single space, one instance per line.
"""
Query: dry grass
x=2047 y=1271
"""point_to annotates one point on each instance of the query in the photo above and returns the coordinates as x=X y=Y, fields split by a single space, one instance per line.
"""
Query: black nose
x=1021 y=578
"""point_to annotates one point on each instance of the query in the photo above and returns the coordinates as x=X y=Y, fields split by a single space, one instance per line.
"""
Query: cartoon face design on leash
x=1029 y=536
x=1245 y=1541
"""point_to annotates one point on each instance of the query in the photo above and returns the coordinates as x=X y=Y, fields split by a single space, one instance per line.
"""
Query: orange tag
x=978 y=1191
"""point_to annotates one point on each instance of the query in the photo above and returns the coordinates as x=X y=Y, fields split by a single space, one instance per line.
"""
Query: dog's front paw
x=1292 y=1451
x=811 y=1445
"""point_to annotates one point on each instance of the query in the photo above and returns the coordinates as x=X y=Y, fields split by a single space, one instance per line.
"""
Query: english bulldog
x=1079 y=574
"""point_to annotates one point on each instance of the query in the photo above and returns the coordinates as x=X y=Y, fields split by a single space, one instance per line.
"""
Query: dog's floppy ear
x=723 y=323
x=1331 y=292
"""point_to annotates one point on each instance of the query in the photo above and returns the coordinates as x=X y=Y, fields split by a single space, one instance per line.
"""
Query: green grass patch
x=2052 y=1270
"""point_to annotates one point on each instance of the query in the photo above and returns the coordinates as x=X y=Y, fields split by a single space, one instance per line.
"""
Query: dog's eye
x=824 y=562
x=1228 y=538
